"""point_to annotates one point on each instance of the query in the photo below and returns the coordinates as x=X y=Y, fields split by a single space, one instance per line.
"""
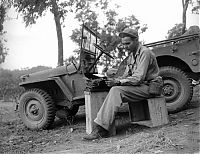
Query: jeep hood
x=47 y=74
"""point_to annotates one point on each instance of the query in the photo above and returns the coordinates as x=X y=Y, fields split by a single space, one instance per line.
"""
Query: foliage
x=9 y=82
x=88 y=15
x=195 y=6
x=175 y=31
x=70 y=60
x=33 y=9
x=9 y=86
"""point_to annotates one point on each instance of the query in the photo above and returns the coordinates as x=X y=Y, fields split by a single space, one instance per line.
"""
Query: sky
x=37 y=45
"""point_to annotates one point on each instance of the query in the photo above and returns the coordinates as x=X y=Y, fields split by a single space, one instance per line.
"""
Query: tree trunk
x=59 y=32
x=185 y=6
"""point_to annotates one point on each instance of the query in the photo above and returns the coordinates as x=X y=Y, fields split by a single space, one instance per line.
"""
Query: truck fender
x=64 y=88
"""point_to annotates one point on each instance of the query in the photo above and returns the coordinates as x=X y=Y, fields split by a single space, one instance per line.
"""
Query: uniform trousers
x=116 y=96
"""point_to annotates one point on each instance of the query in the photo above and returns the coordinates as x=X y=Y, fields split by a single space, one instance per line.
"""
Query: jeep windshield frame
x=89 y=53
x=88 y=38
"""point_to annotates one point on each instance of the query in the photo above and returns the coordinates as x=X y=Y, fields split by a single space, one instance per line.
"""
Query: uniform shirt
x=141 y=67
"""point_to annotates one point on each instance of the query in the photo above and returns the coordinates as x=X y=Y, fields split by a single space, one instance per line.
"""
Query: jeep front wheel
x=177 y=88
x=36 y=109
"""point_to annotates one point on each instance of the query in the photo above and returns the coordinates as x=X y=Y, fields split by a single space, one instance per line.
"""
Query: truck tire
x=177 y=88
x=36 y=109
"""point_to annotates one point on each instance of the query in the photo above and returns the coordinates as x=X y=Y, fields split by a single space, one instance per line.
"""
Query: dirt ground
x=181 y=135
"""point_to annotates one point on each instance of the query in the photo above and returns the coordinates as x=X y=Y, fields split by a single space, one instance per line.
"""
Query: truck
x=59 y=92
x=179 y=62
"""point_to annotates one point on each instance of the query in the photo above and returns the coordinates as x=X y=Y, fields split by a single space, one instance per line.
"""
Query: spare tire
x=177 y=88
x=36 y=109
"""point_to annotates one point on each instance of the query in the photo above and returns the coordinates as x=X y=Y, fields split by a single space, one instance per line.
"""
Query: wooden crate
x=93 y=102
x=151 y=112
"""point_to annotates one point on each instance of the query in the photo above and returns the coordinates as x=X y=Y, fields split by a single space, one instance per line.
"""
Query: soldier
x=132 y=86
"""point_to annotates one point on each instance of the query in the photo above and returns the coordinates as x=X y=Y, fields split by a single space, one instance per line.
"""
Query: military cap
x=129 y=32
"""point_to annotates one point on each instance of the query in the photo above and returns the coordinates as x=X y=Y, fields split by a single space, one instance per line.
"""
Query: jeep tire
x=177 y=88
x=36 y=109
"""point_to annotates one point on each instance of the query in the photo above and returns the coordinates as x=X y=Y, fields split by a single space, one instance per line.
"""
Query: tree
x=3 y=49
x=31 y=10
x=4 y=6
x=195 y=9
x=180 y=29
x=185 y=6
x=57 y=18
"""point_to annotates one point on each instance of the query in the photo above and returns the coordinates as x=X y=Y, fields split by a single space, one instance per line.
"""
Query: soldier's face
x=130 y=44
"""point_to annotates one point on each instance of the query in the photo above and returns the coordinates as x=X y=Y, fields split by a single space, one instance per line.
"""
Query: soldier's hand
x=112 y=82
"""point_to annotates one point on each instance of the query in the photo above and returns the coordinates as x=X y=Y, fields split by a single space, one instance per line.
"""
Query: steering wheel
x=102 y=50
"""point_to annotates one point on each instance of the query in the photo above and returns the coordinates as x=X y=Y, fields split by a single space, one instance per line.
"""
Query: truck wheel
x=36 y=109
x=177 y=88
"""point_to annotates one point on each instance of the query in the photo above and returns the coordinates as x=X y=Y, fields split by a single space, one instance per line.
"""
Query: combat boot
x=98 y=132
